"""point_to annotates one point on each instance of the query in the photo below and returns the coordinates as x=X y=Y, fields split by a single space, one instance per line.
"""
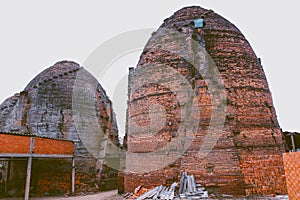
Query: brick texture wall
x=21 y=144
x=50 y=146
x=9 y=144
x=292 y=172
x=51 y=177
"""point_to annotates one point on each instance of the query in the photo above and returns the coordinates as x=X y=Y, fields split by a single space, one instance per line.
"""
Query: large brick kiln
x=46 y=108
x=247 y=158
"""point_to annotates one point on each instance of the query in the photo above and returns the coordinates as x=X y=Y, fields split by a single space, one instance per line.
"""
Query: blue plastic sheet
x=199 y=23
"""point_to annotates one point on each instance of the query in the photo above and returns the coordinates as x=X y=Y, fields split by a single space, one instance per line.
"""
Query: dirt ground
x=110 y=195
x=113 y=195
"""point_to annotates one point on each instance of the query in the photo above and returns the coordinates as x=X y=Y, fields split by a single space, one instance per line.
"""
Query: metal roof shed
x=30 y=146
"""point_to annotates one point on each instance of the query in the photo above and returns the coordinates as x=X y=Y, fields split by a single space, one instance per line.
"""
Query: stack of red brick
x=292 y=171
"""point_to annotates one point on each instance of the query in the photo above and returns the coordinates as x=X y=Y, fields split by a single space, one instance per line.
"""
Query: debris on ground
x=160 y=192
x=188 y=190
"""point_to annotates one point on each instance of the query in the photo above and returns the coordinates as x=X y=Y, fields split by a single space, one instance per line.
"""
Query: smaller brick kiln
x=46 y=108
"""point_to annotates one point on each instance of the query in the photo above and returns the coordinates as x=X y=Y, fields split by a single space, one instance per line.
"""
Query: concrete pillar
x=293 y=142
x=28 y=174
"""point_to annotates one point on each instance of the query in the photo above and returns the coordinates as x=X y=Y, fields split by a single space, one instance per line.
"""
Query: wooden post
x=293 y=142
x=7 y=175
x=28 y=174
x=73 y=175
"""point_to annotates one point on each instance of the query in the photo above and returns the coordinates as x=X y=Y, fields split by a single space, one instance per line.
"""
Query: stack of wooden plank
x=188 y=190
x=160 y=192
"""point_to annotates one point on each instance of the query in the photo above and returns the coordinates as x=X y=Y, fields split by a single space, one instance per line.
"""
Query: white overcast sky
x=36 y=34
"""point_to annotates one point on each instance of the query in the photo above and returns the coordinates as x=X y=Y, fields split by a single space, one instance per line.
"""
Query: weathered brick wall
x=21 y=144
x=264 y=174
x=9 y=145
x=251 y=137
x=292 y=172
x=16 y=177
x=51 y=177
x=165 y=176
x=51 y=146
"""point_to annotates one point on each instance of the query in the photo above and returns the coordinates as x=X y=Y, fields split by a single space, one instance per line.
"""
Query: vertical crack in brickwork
x=61 y=125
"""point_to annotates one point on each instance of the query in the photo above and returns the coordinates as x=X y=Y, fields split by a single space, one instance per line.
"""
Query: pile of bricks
x=292 y=171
